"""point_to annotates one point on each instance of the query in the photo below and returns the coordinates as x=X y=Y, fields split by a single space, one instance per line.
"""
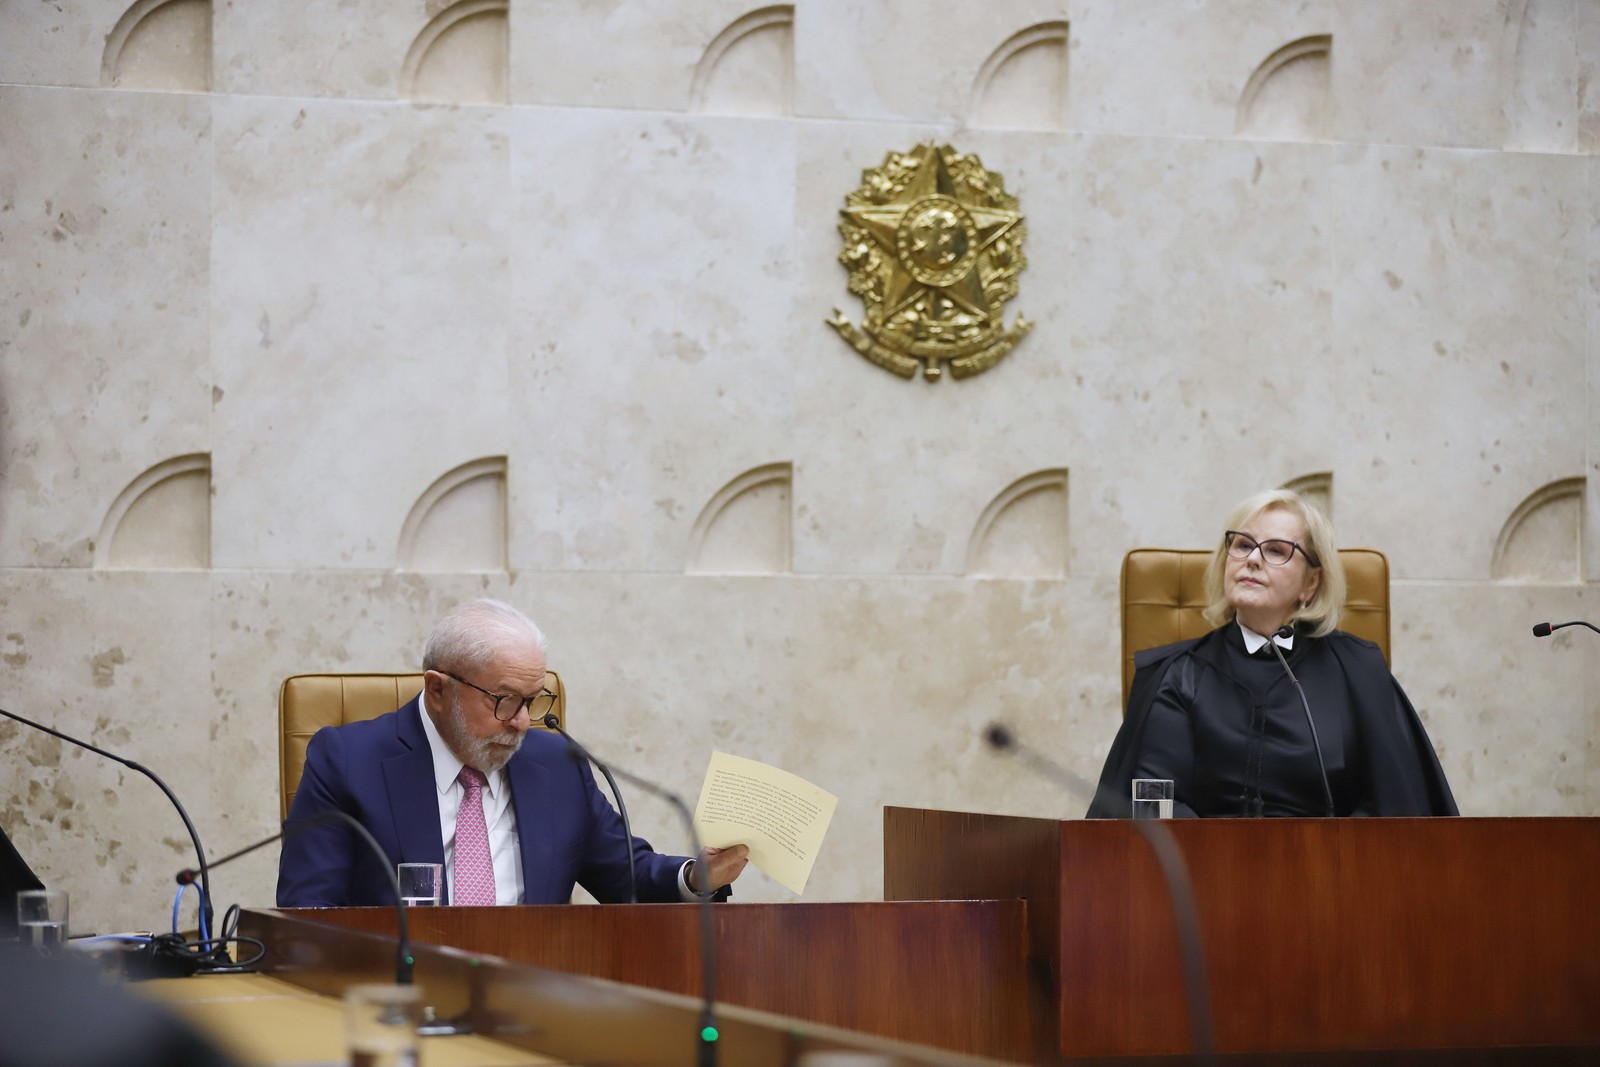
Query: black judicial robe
x=1228 y=728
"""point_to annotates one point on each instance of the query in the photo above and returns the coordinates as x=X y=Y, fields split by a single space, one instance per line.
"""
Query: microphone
x=1545 y=629
x=214 y=956
x=708 y=960
x=554 y=723
x=1316 y=745
x=403 y=959
x=1180 y=891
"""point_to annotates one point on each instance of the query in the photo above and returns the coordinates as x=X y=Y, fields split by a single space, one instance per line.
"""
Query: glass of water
x=380 y=1024
x=421 y=884
x=42 y=918
x=1152 y=798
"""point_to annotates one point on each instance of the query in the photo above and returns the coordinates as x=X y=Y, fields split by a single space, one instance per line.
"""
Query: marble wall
x=318 y=318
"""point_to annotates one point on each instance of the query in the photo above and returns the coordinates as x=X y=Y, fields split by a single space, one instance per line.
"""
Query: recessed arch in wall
x=462 y=56
x=1023 y=531
x=1316 y=487
x=459 y=523
x=748 y=69
x=1289 y=95
x=747 y=526
x=162 y=520
x=160 y=44
x=1023 y=83
x=1542 y=541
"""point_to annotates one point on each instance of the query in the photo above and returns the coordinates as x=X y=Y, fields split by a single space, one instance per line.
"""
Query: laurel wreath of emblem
x=933 y=244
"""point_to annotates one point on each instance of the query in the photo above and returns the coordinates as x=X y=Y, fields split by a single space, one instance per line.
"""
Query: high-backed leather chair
x=1163 y=594
x=308 y=702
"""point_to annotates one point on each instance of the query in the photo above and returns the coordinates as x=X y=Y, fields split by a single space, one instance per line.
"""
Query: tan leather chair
x=308 y=702
x=1163 y=594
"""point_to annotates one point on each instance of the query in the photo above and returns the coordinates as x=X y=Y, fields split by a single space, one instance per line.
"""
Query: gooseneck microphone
x=403 y=959
x=1316 y=745
x=209 y=956
x=1545 y=629
x=1180 y=890
x=554 y=723
x=708 y=960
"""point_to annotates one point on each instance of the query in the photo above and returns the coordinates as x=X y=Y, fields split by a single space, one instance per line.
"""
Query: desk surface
x=267 y=1022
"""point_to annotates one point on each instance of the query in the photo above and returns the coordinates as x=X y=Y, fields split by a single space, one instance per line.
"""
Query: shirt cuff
x=689 y=895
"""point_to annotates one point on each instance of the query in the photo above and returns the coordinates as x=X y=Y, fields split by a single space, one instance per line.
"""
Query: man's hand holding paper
x=782 y=818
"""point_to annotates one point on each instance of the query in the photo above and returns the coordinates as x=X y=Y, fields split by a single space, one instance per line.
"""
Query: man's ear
x=433 y=684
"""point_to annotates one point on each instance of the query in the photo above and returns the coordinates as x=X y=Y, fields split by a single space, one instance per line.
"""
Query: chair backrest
x=308 y=702
x=1163 y=594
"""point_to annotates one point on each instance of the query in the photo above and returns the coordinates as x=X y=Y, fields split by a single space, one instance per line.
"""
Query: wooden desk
x=569 y=1017
x=1320 y=935
x=267 y=1022
x=942 y=973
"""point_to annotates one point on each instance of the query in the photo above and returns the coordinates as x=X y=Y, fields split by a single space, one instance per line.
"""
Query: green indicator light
x=411 y=960
x=708 y=1033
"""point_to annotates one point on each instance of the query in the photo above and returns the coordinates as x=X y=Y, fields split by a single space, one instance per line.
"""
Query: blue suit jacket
x=381 y=772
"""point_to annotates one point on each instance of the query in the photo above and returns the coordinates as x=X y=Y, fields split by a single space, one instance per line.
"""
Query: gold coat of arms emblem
x=933 y=244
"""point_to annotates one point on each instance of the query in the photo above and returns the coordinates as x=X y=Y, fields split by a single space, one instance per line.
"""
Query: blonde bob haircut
x=1321 y=613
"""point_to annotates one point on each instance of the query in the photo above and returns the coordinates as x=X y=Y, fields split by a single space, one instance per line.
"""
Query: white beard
x=483 y=753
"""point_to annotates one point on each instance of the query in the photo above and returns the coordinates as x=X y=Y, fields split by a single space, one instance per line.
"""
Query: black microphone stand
x=213 y=956
x=1180 y=890
x=554 y=723
x=708 y=964
x=1316 y=745
x=403 y=959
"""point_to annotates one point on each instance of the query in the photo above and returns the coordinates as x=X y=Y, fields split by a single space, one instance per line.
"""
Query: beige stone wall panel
x=1459 y=334
x=1202 y=303
x=349 y=49
x=1511 y=715
x=359 y=321
x=56 y=43
x=105 y=213
x=1151 y=67
x=1422 y=74
x=645 y=301
x=637 y=55
x=122 y=661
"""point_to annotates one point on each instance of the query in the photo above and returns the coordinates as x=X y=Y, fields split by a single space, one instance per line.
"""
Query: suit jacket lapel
x=413 y=796
x=529 y=782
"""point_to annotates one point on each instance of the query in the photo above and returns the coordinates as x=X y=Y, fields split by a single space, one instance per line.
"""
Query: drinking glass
x=42 y=918
x=421 y=884
x=380 y=1024
x=1152 y=798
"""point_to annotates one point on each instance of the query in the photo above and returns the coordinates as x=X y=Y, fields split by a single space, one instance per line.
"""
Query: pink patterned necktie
x=474 y=868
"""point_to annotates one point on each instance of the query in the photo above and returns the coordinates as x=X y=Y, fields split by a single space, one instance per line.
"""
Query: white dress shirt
x=505 y=850
x=1253 y=642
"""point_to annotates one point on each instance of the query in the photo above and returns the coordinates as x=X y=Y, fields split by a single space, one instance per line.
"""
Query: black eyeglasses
x=537 y=706
x=1275 y=551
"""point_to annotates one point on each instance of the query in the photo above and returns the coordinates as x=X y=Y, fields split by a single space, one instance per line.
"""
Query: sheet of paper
x=782 y=818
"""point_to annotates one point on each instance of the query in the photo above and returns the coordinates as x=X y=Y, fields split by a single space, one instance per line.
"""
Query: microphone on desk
x=403 y=959
x=1316 y=745
x=1545 y=629
x=708 y=959
x=554 y=723
x=207 y=953
x=1180 y=890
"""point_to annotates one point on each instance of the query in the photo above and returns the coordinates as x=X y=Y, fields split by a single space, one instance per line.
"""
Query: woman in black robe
x=1219 y=716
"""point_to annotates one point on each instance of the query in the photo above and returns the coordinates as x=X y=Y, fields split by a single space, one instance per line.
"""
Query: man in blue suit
x=456 y=777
